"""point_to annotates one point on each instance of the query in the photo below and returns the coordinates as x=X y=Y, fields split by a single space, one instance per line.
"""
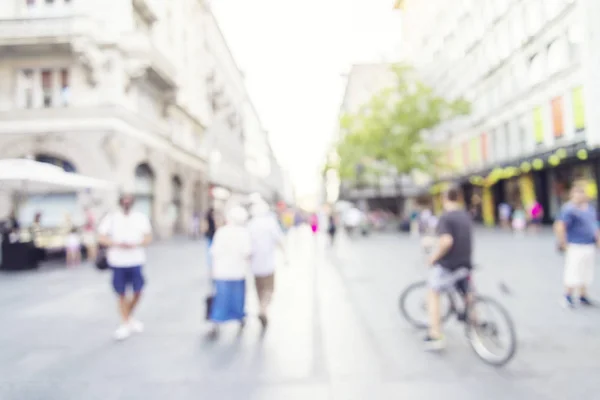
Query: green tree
x=386 y=134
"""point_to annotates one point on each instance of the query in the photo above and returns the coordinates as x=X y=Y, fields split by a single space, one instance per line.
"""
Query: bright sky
x=294 y=55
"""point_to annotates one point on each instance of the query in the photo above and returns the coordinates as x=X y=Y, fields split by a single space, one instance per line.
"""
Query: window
x=30 y=3
x=491 y=53
x=557 y=56
x=517 y=27
x=478 y=28
x=500 y=7
x=487 y=11
x=575 y=38
x=533 y=17
x=49 y=1
x=28 y=88
x=47 y=87
x=484 y=147
x=538 y=125
x=503 y=40
x=497 y=144
x=536 y=69
x=523 y=133
x=558 y=125
x=520 y=74
x=507 y=87
x=507 y=142
x=515 y=149
x=578 y=109
x=553 y=8
x=65 y=90
x=43 y=88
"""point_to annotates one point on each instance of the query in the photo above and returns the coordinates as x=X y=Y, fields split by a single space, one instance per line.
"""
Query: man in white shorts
x=126 y=233
x=577 y=232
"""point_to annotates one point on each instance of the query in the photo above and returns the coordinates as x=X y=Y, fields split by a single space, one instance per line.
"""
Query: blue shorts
x=127 y=276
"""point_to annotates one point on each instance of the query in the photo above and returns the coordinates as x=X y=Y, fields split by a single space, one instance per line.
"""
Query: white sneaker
x=136 y=326
x=122 y=332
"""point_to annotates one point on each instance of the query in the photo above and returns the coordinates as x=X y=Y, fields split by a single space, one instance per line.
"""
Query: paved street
x=336 y=332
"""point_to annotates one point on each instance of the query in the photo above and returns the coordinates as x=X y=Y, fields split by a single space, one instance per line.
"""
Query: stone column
x=163 y=195
x=187 y=201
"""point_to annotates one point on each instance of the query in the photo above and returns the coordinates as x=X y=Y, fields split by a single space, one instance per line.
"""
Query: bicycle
x=480 y=332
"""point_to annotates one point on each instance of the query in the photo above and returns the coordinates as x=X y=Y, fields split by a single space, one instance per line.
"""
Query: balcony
x=24 y=36
x=148 y=61
x=146 y=10
x=161 y=71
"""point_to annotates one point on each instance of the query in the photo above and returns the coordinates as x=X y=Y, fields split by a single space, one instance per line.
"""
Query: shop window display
x=562 y=180
x=513 y=193
x=476 y=204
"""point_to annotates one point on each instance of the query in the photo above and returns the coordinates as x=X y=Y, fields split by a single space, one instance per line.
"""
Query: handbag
x=101 y=259
x=209 y=304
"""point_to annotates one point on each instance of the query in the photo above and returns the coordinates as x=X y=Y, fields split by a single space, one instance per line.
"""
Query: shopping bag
x=209 y=303
x=101 y=260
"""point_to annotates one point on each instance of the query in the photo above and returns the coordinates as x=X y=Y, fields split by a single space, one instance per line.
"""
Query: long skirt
x=229 y=301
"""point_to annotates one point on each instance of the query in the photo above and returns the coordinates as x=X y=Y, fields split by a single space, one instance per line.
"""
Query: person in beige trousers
x=267 y=236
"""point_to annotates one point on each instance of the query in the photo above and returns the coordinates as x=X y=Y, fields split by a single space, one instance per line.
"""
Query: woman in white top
x=231 y=250
x=266 y=236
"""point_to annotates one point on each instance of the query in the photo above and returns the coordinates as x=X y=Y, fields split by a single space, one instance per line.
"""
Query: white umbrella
x=28 y=176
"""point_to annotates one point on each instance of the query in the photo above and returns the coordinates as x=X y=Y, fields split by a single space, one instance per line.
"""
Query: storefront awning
x=547 y=159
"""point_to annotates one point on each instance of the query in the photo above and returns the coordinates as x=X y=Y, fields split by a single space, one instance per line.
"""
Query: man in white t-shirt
x=126 y=233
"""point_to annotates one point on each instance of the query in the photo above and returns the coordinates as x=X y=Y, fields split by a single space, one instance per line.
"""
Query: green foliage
x=387 y=132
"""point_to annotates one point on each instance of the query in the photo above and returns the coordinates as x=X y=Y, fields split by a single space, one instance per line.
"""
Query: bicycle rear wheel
x=484 y=329
x=413 y=305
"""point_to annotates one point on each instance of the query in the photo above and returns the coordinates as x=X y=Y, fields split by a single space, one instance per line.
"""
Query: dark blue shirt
x=580 y=224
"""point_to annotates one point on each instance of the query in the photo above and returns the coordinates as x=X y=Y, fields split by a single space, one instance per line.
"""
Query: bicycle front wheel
x=413 y=305
x=488 y=324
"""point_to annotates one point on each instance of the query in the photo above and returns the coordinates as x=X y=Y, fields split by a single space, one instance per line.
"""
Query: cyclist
x=455 y=230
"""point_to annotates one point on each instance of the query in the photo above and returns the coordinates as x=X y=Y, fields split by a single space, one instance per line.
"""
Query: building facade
x=240 y=157
x=527 y=67
x=118 y=90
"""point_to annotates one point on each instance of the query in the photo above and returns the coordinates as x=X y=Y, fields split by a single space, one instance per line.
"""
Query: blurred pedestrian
x=427 y=229
x=266 y=236
x=209 y=229
x=414 y=223
x=196 y=225
x=12 y=223
x=73 y=248
x=353 y=219
x=67 y=224
x=89 y=235
x=314 y=223
x=519 y=220
x=577 y=232
x=504 y=211
x=288 y=219
x=231 y=251
x=536 y=213
x=126 y=233
x=332 y=227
